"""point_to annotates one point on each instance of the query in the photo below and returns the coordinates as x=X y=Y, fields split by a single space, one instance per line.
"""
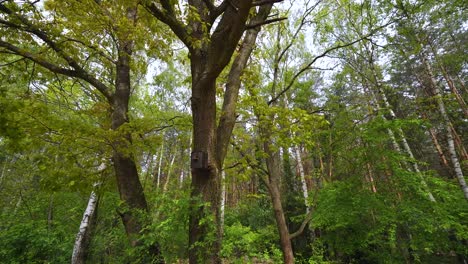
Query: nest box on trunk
x=199 y=160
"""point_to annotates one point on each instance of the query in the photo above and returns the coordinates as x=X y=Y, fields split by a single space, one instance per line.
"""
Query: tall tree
x=210 y=50
x=62 y=43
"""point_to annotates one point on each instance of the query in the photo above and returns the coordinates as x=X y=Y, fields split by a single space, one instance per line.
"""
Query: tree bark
x=459 y=143
x=168 y=175
x=161 y=154
x=446 y=119
x=451 y=84
x=438 y=147
x=305 y=190
x=401 y=134
x=274 y=174
x=83 y=237
x=128 y=182
x=206 y=65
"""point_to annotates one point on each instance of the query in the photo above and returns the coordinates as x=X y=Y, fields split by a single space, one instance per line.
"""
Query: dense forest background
x=235 y=131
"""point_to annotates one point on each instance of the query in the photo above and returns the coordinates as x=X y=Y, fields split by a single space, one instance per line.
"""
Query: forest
x=233 y=131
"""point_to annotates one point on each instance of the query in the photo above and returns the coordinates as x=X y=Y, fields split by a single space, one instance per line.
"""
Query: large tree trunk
x=128 y=182
x=207 y=138
x=205 y=181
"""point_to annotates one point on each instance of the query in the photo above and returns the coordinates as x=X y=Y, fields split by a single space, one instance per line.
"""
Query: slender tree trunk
x=449 y=135
x=305 y=190
x=462 y=84
x=83 y=237
x=149 y=173
x=223 y=199
x=274 y=175
x=181 y=178
x=458 y=143
x=440 y=152
x=455 y=91
x=168 y=176
x=406 y=146
x=2 y=175
x=400 y=132
x=161 y=154
x=50 y=212
x=371 y=177
x=451 y=84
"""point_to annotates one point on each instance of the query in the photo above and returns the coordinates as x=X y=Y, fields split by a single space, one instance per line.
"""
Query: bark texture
x=207 y=63
x=273 y=183
x=446 y=119
x=83 y=237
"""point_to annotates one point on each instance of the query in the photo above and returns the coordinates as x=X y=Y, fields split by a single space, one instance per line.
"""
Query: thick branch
x=78 y=71
x=225 y=37
x=215 y=13
x=265 y=22
x=209 y=4
x=265 y=2
x=169 y=18
x=58 y=69
x=228 y=114
x=50 y=66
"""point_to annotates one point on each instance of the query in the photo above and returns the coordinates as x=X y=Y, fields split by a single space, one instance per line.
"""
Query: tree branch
x=33 y=57
x=309 y=65
x=218 y=10
x=78 y=71
x=303 y=225
x=58 y=69
x=306 y=220
x=265 y=2
x=209 y=4
x=95 y=48
x=168 y=17
x=269 y=21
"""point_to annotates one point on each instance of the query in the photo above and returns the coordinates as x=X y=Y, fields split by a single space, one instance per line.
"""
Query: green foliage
x=32 y=242
x=39 y=228
x=170 y=224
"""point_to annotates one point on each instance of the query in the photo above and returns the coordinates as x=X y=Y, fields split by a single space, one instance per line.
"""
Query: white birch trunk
x=305 y=191
x=406 y=146
x=223 y=200
x=80 y=247
x=158 y=178
x=168 y=174
x=181 y=178
x=401 y=134
x=82 y=237
x=450 y=140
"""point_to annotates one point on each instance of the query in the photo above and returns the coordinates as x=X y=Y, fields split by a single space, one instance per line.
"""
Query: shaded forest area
x=233 y=131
